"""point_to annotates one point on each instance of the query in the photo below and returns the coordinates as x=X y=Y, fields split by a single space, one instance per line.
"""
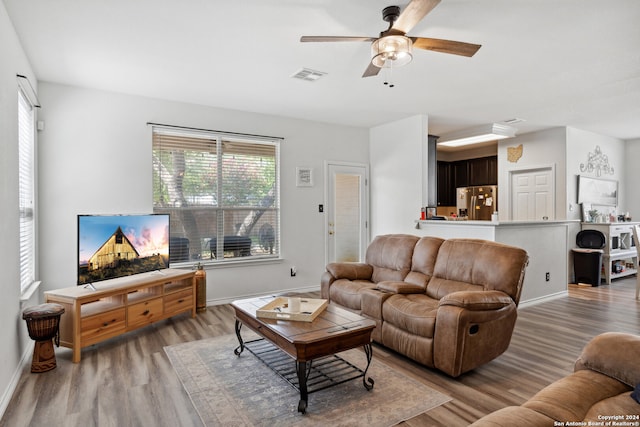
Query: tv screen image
x=111 y=246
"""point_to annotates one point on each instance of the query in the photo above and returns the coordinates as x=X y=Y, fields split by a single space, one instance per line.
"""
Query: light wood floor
x=129 y=381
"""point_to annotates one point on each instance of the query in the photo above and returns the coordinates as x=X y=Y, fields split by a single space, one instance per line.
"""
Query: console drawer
x=101 y=326
x=143 y=313
x=177 y=302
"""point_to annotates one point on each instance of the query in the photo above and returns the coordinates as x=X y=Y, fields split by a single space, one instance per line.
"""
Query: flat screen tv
x=111 y=246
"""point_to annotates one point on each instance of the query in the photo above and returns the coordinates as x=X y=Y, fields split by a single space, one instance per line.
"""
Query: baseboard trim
x=227 y=300
x=15 y=378
x=545 y=298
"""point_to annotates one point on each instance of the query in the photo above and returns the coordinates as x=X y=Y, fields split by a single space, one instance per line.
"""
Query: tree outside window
x=221 y=191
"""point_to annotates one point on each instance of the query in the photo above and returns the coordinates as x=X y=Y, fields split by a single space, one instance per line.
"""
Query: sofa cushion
x=571 y=397
x=347 y=292
x=614 y=354
x=413 y=346
x=390 y=255
x=621 y=404
x=414 y=313
x=473 y=264
x=350 y=270
x=423 y=261
x=514 y=416
x=440 y=287
x=400 y=287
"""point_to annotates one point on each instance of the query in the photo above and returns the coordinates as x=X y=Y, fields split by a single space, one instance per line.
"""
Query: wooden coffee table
x=333 y=331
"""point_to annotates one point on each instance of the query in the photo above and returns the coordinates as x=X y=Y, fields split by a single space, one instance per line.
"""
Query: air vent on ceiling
x=308 y=74
x=514 y=120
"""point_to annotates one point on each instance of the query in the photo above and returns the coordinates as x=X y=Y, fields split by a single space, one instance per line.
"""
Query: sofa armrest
x=471 y=331
x=350 y=270
x=343 y=270
x=614 y=354
x=396 y=287
x=477 y=300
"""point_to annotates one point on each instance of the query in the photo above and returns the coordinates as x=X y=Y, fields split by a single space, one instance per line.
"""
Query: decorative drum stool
x=43 y=323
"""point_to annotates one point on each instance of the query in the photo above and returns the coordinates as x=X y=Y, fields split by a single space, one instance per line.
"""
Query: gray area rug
x=228 y=390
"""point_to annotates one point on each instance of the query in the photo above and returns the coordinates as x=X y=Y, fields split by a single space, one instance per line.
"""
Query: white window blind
x=26 y=177
x=222 y=192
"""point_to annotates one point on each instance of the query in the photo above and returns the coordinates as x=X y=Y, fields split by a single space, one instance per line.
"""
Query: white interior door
x=532 y=194
x=347 y=212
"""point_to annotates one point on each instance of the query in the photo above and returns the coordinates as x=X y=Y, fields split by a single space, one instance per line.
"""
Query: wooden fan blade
x=371 y=70
x=335 y=39
x=412 y=14
x=445 y=46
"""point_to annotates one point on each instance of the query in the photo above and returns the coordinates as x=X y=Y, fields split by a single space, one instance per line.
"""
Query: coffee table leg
x=302 y=385
x=368 y=382
x=240 y=348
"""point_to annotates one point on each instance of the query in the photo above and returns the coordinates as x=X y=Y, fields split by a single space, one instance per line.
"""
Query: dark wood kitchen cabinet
x=460 y=174
x=483 y=171
x=464 y=173
x=445 y=196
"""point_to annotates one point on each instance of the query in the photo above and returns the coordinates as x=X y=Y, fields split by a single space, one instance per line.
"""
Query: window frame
x=27 y=185
x=216 y=206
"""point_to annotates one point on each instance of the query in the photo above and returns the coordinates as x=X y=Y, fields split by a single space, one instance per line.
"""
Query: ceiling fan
x=393 y=48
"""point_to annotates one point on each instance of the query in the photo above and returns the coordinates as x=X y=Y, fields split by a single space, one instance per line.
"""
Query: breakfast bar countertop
x=548 y=243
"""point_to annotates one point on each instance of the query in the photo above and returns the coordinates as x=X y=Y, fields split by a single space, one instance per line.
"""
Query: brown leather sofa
x=598 y=392
x=448 y=304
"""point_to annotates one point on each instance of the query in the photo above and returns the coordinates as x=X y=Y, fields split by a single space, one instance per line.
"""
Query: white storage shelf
x=620 y=257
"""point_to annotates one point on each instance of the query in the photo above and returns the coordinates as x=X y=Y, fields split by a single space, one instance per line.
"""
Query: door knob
x=330 y=232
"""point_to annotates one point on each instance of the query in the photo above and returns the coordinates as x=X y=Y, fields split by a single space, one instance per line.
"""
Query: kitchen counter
x=546 y=242
x=494 y=223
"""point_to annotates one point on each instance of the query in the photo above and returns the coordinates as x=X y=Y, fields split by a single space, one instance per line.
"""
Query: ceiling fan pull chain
x=389 y=75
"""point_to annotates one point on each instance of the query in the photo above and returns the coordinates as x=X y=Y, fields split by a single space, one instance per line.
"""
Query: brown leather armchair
x=598 y=391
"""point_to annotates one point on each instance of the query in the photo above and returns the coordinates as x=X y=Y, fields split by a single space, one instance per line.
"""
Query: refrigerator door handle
x=472 y=208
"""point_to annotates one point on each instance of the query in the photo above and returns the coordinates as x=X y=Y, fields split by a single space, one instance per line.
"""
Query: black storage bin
x=587 y=266
x=587 y=258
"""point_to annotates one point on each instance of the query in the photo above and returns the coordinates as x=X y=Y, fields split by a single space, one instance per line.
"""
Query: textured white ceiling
x=551 y=62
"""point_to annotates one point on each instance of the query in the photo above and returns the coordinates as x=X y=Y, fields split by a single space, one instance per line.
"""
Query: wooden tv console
x=116 y=306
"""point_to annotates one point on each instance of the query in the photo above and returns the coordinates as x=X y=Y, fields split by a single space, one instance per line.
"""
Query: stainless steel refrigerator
x=477 y=203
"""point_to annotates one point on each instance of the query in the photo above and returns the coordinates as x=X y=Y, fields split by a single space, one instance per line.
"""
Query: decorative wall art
x=597 y=191
x=304 y=177
x=597 y=162
x=514 y=153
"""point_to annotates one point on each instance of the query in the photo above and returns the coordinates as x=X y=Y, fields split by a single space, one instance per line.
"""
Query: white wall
x=468 y=153
x=96 y=159
x=539 y=149
x=547 y=245
x=632 y=189
x=13 y=333
x=398 y=157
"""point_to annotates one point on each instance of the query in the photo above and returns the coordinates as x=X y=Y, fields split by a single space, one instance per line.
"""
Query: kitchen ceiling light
x=391 y=51
x=477 y=134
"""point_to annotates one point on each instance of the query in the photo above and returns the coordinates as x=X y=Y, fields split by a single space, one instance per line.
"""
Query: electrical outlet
x=293 y=272
x=547 y=276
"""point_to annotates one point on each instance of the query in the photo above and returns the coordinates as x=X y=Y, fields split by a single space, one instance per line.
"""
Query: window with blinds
x=222 y=192
x=26 y=189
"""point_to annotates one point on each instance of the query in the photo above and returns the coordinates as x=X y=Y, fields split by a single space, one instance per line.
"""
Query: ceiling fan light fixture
x=391 y=51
